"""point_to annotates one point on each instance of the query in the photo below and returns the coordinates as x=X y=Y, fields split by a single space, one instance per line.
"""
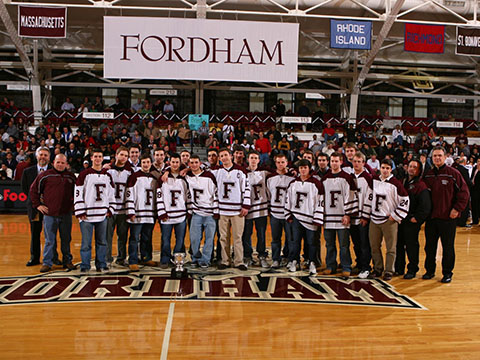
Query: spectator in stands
x=329 y=133
x=4 y=176
x=351 y=133
x=303 y=110
x=328 y=148
x=318 y=110
x=138 y=106
x=21 y=126
x=20 y=156
x=462 y=141
x=152 y=130
x=83 y=109
x=184 y=133
x=264 y=147
x=171 y=138
x=117 y=106
x=137 y=138
x=41 y=131
x=203 y=133
x=431 y=136
x=279 y=108
x=67 y=135
x=8 y=172
x=378 y=115
x=147 y=109
x=374 y=163
x=315 y=145
x=157 y=107
x=67 y=105
x=168 y=108
x=433 y=119
x=22 y=165
x=398 y=135
x=227 y=130
x=10 y=162
x=450 y=117
x=99 y=105
x=12 y=129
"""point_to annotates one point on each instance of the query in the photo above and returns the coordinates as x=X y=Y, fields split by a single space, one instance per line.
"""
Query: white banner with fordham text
x=200 y=49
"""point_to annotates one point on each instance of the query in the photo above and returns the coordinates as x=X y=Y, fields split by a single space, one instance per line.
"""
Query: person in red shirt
x=263 y=146
x=329 y=133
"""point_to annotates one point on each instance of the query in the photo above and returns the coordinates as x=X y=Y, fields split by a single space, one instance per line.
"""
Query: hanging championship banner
x=42 y=22
x=424 y=38
x=200 y=49
x=347 y=34
x=468 y=41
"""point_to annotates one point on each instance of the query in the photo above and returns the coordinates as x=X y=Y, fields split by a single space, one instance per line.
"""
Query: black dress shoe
x=32 y=262
x=222 y=266
x=242 y=267
x=428 y=276
x=57 y=262
x=409 y=276
x=446 y=279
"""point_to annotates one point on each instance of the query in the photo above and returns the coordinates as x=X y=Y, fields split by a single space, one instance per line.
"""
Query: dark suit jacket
x=466 y=176
x=476 y=180
x=28 y=177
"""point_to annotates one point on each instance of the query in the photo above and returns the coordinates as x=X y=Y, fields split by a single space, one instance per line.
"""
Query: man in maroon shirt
x=449 y=198
x=52 y=195
x=263 y=146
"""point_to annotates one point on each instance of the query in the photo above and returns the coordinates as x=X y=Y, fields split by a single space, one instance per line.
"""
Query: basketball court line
x=168 y=329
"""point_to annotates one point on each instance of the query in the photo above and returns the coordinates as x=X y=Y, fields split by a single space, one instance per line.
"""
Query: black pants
x=445 y=230
x=407 y=241
x=462 y=220
x=475 y=203
x=35 y=248
x=361 y=246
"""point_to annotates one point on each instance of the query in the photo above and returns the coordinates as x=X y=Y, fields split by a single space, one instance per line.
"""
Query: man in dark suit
x=34 y=216
x=462 y=220
x=475 y=193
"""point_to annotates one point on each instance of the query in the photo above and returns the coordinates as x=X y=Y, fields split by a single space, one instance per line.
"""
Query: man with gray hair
x=52 y=195
x=35 y=217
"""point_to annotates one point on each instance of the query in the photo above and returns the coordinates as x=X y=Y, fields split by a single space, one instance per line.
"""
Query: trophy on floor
x=179 y=271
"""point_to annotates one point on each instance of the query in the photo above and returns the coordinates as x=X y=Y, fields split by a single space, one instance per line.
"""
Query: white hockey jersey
x=277 y=186
x=203 y=193
x=233 y=190
x=120 y=177
x=258 y=193
x=140 y=198
x=364 y=183
x=340 y=199
x=94 y=195
x=304 y=200
x=173 y=199
x=389 y=199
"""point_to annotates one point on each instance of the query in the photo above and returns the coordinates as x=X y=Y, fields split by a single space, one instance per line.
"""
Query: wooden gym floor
x=446 y=327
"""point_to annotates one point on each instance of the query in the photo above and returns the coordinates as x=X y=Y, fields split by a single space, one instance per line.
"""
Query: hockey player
x=140 y=200
x=172 y=202
x=204 y=208
x=390 y=205
x=341 y=204
x=234 y=203
x=258 y=211
x=359 y=223
x=304 y=210
x=94 y=201
x=277 y=184
x=118 y=220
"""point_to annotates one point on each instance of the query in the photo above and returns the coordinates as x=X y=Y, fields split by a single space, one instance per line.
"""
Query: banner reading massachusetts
x=200 y=49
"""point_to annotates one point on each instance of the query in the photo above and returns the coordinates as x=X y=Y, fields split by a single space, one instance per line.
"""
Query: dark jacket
x=28 y=177
x=420 y=200
x=448 y=189
x=54 y=189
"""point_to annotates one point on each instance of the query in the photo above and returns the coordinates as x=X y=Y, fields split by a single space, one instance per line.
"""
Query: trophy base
x=179 y=274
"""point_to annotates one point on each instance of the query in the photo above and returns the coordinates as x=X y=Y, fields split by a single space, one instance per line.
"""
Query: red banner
x=424 y=38
x=42 y=22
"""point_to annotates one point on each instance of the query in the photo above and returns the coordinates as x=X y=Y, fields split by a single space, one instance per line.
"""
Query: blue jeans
x=198 y=224
x=140 y=233
x=301 y=232
x=167 y=229
x=261 y=228
x=331 y=259
x=278 y=226
x=333 y=137
x=52 y=224
x=398 y=140
x=264 y=158
x=361 y=246
x=100 y=244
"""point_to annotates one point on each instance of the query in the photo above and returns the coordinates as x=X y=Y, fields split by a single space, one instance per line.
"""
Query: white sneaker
x=313 y=268
x=288 y=265
x=364 y=274
x=293 y=266
x=275 y=264
x=264 y=263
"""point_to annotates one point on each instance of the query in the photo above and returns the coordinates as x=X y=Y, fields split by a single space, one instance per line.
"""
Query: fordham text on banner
x=200 y=49
x=42 y=22
x=424 y=38
x=347 y=34
x=468 y=41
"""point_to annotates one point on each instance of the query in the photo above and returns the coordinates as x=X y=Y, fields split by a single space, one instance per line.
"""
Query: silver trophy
x=179 y=271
